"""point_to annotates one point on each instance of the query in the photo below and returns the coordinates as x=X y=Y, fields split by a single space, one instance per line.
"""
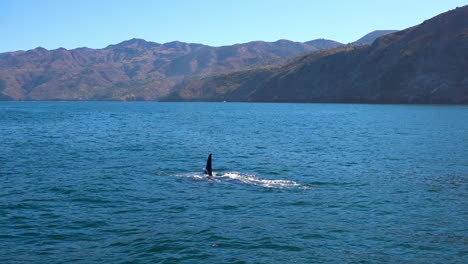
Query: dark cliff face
x=427 y=63
x=131 y=70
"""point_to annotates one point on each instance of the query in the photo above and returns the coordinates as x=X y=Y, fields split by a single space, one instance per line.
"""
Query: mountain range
x=135 y=69
x=427 y=63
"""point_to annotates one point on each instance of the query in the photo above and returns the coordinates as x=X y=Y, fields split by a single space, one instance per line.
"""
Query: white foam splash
x=245 y=178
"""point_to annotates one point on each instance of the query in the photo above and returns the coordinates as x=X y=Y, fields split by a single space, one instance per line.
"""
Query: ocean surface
x=112 y=182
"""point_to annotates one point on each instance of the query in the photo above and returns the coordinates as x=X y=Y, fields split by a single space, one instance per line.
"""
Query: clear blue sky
x=26 y=24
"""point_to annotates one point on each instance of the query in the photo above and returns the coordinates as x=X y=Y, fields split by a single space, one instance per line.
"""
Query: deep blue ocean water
x=109 y=182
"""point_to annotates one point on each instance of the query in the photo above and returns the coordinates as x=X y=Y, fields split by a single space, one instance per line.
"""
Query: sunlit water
x=86 y=182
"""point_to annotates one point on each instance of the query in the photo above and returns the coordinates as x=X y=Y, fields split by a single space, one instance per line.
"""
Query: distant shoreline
x=217 y=102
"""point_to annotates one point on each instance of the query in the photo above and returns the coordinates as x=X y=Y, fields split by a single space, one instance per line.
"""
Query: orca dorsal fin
x=208 y=168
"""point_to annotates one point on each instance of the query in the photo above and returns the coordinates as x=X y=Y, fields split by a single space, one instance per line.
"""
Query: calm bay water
x=108 y=182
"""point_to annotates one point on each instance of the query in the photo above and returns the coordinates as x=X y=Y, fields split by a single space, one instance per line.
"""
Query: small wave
x=245 y=178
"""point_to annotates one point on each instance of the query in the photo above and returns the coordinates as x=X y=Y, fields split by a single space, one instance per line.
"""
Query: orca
x=208 y=168
x=244 y=178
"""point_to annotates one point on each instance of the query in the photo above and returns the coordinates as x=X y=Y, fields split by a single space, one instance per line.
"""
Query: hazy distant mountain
x=427 y=63
x=324 y=44
x=368 y=39
x=131 y=70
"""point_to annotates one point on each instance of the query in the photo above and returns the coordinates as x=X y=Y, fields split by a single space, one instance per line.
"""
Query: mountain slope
x=131 y=70
x=427 y=63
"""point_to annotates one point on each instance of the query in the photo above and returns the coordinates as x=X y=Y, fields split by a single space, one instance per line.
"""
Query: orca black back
x=208 y=168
